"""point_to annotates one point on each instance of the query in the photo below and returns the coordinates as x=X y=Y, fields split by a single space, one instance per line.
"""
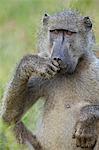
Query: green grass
x=19 y=23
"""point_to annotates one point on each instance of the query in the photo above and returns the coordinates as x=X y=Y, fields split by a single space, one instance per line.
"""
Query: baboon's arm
x=21 y=94
x=90 y=113
x=86 y=127
x=26 y=87
x=23 y=91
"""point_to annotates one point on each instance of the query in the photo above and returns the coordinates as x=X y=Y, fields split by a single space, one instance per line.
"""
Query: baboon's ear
x=45 y=19
x=87 y=23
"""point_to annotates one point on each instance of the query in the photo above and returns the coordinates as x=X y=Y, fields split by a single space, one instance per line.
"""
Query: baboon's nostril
x=57 y=59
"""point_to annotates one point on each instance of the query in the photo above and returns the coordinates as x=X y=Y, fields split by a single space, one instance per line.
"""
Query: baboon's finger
x=55 y=63
x=53 y=67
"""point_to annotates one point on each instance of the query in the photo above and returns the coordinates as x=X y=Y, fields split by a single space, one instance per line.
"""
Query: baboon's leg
x=24 y=136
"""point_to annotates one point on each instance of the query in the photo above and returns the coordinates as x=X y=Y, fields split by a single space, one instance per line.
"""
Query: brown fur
x=71 y=94
x=66 y=95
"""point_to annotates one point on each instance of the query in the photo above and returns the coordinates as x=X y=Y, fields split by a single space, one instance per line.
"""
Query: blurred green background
x=19 y=24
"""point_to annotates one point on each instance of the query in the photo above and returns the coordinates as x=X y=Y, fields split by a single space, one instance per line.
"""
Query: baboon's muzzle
x=61 y=54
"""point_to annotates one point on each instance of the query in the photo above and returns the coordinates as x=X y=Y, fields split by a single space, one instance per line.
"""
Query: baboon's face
x=68 y=39
x=65 y=47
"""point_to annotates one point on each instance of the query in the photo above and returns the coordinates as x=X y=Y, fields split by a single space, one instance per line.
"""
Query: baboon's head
x=69 y=37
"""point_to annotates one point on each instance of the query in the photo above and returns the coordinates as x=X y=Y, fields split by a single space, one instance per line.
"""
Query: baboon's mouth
x=69 y=68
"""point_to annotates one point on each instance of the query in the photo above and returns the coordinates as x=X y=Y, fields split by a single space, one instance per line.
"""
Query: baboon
x=66 y=76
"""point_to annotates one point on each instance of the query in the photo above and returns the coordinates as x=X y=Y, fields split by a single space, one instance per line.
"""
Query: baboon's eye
x=67 y=32
x=54 y=31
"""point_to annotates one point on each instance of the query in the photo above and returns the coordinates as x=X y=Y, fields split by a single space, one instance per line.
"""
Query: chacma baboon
x=68 y=81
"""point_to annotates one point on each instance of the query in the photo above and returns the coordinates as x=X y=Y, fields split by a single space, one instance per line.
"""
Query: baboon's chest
x=70 y=91
x=60 y=115
x=66 y=98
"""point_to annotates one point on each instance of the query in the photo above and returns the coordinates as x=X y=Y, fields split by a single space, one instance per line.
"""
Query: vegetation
x=19 y=23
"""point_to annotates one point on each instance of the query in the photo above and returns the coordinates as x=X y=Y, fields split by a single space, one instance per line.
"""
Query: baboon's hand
x=50 y=68
x=85 y=134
